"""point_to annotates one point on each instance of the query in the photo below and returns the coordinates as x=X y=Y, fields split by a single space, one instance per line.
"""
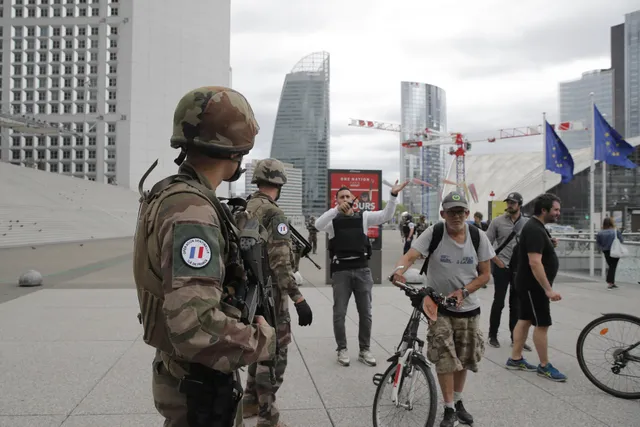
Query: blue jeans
x=359 y=282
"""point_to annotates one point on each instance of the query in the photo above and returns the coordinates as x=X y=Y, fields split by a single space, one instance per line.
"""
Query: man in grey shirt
x=503 y=233
x=455 y=342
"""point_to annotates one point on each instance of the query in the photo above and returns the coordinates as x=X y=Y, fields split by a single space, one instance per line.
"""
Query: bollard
x=30 y=278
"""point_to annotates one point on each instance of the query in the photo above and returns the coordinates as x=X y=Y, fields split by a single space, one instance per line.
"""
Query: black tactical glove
x=305 y=316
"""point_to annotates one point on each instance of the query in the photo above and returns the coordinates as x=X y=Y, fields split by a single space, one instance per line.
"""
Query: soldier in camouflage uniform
x=186 y=268
x=260 y=394
x=297 y=254
x=313 y=234
x=421 y=226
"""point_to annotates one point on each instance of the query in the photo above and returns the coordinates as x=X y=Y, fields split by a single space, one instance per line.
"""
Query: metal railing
x=581 y=255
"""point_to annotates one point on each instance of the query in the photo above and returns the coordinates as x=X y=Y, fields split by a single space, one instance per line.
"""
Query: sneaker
x=551 y=373
x=367 y=358
x=449 y=419
x=493 y=342
x=526 y=346
x=343 y=357
x=521 y=365
x=462 y=414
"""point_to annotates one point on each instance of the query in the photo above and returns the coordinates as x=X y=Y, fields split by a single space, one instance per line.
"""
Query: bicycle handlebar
x=436 y=297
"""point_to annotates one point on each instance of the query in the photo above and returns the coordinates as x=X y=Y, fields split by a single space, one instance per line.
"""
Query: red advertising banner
x=366 y=187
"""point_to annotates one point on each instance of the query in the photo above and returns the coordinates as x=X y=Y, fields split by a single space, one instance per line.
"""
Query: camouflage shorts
x=455 y=343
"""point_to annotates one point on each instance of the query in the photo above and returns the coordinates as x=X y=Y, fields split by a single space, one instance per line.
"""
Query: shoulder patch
x=196 y=251
x=280 y=227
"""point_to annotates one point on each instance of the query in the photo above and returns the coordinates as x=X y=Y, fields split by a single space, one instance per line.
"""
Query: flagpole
x=592 y=192
x=604 y=206
x=544 y=152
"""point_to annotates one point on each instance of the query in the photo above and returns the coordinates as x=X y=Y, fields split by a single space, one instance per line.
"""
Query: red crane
x=461 y=144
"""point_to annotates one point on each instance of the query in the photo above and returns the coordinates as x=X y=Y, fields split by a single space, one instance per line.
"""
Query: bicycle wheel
x=420 y=418
x=612 y=355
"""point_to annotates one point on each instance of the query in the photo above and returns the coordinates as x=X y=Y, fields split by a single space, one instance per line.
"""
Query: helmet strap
x=238 y=173
x=180 y=159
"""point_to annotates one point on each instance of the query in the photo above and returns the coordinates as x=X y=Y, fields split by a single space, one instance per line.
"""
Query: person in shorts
x=455 y=268
x=537 y=268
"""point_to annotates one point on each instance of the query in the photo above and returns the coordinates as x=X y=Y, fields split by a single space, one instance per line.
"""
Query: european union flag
x=610 y=148
x=558 y=158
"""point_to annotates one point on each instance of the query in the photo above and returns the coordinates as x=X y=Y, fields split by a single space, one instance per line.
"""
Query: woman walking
x=605 y=239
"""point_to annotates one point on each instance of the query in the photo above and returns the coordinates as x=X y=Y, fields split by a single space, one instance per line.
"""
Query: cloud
x=499 y=63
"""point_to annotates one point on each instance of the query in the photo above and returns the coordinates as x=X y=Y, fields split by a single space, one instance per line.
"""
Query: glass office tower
x=422 y=106
x=301 y=133
x=575 y=104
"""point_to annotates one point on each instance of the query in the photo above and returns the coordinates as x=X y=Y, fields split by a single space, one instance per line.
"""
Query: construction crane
x=430 y=137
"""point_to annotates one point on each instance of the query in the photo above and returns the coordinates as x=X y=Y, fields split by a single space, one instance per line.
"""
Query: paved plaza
x=71 y=352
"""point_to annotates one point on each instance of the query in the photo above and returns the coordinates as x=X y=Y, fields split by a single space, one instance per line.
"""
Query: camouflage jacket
x=421 y=227
x=179 y=267
x=279 y=246
x=311 y=228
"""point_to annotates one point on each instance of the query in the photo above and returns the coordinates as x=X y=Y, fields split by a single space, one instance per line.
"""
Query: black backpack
x=436 y=238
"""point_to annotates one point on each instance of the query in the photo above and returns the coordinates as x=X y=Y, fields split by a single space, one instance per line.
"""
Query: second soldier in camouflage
x=260 y=394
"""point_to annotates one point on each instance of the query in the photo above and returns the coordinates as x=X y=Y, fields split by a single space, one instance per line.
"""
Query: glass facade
x=301 y=133
x=632 y=73
x=575 y=104
x=617 y=64
x=422 y=106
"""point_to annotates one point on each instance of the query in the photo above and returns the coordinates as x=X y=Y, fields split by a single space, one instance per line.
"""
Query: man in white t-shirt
x=455 y=268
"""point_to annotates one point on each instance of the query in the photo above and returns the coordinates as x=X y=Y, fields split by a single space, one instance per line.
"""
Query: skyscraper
x=575 y=103
x=112 y=72
x=632 y=73
x=301 y=133
x=423 y=106
x=290 y=200
x=617 y=65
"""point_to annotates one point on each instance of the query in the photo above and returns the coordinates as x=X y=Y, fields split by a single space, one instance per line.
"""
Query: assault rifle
x=258 y=299
x=302 y=243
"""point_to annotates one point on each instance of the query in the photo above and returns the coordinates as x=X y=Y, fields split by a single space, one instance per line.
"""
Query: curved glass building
x=301 y=133
x=422 y=106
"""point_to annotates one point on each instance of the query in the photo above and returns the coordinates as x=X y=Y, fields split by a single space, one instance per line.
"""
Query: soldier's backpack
x=436 y=238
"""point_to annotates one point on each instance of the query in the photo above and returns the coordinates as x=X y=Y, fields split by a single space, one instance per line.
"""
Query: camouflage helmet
x=215 y=120
x=271 y=171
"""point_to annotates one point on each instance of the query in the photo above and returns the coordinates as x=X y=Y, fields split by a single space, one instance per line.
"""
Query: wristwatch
x=465 y=292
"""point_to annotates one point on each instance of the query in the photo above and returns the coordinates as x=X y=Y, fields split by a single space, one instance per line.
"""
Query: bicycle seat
x=414 y=278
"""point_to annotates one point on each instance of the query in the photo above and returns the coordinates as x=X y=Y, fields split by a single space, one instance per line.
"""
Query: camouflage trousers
x=169 y=402
x=296 y=260
x=455 y=343
x=259 y=391
x=313 y=239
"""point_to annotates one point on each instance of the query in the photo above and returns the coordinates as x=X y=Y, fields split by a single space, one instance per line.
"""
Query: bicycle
x=618 y=357
x=408 y=361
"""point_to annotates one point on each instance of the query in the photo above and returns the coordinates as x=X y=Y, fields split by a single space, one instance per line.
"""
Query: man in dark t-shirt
x=537 y=268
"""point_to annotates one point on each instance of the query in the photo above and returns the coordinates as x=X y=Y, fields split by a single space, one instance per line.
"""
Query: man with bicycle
x=457 y=265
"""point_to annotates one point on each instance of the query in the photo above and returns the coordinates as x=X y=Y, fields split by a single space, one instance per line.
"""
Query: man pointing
x=349 y=252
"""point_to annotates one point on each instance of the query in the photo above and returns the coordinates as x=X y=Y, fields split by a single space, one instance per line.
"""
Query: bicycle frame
x=406 y=349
